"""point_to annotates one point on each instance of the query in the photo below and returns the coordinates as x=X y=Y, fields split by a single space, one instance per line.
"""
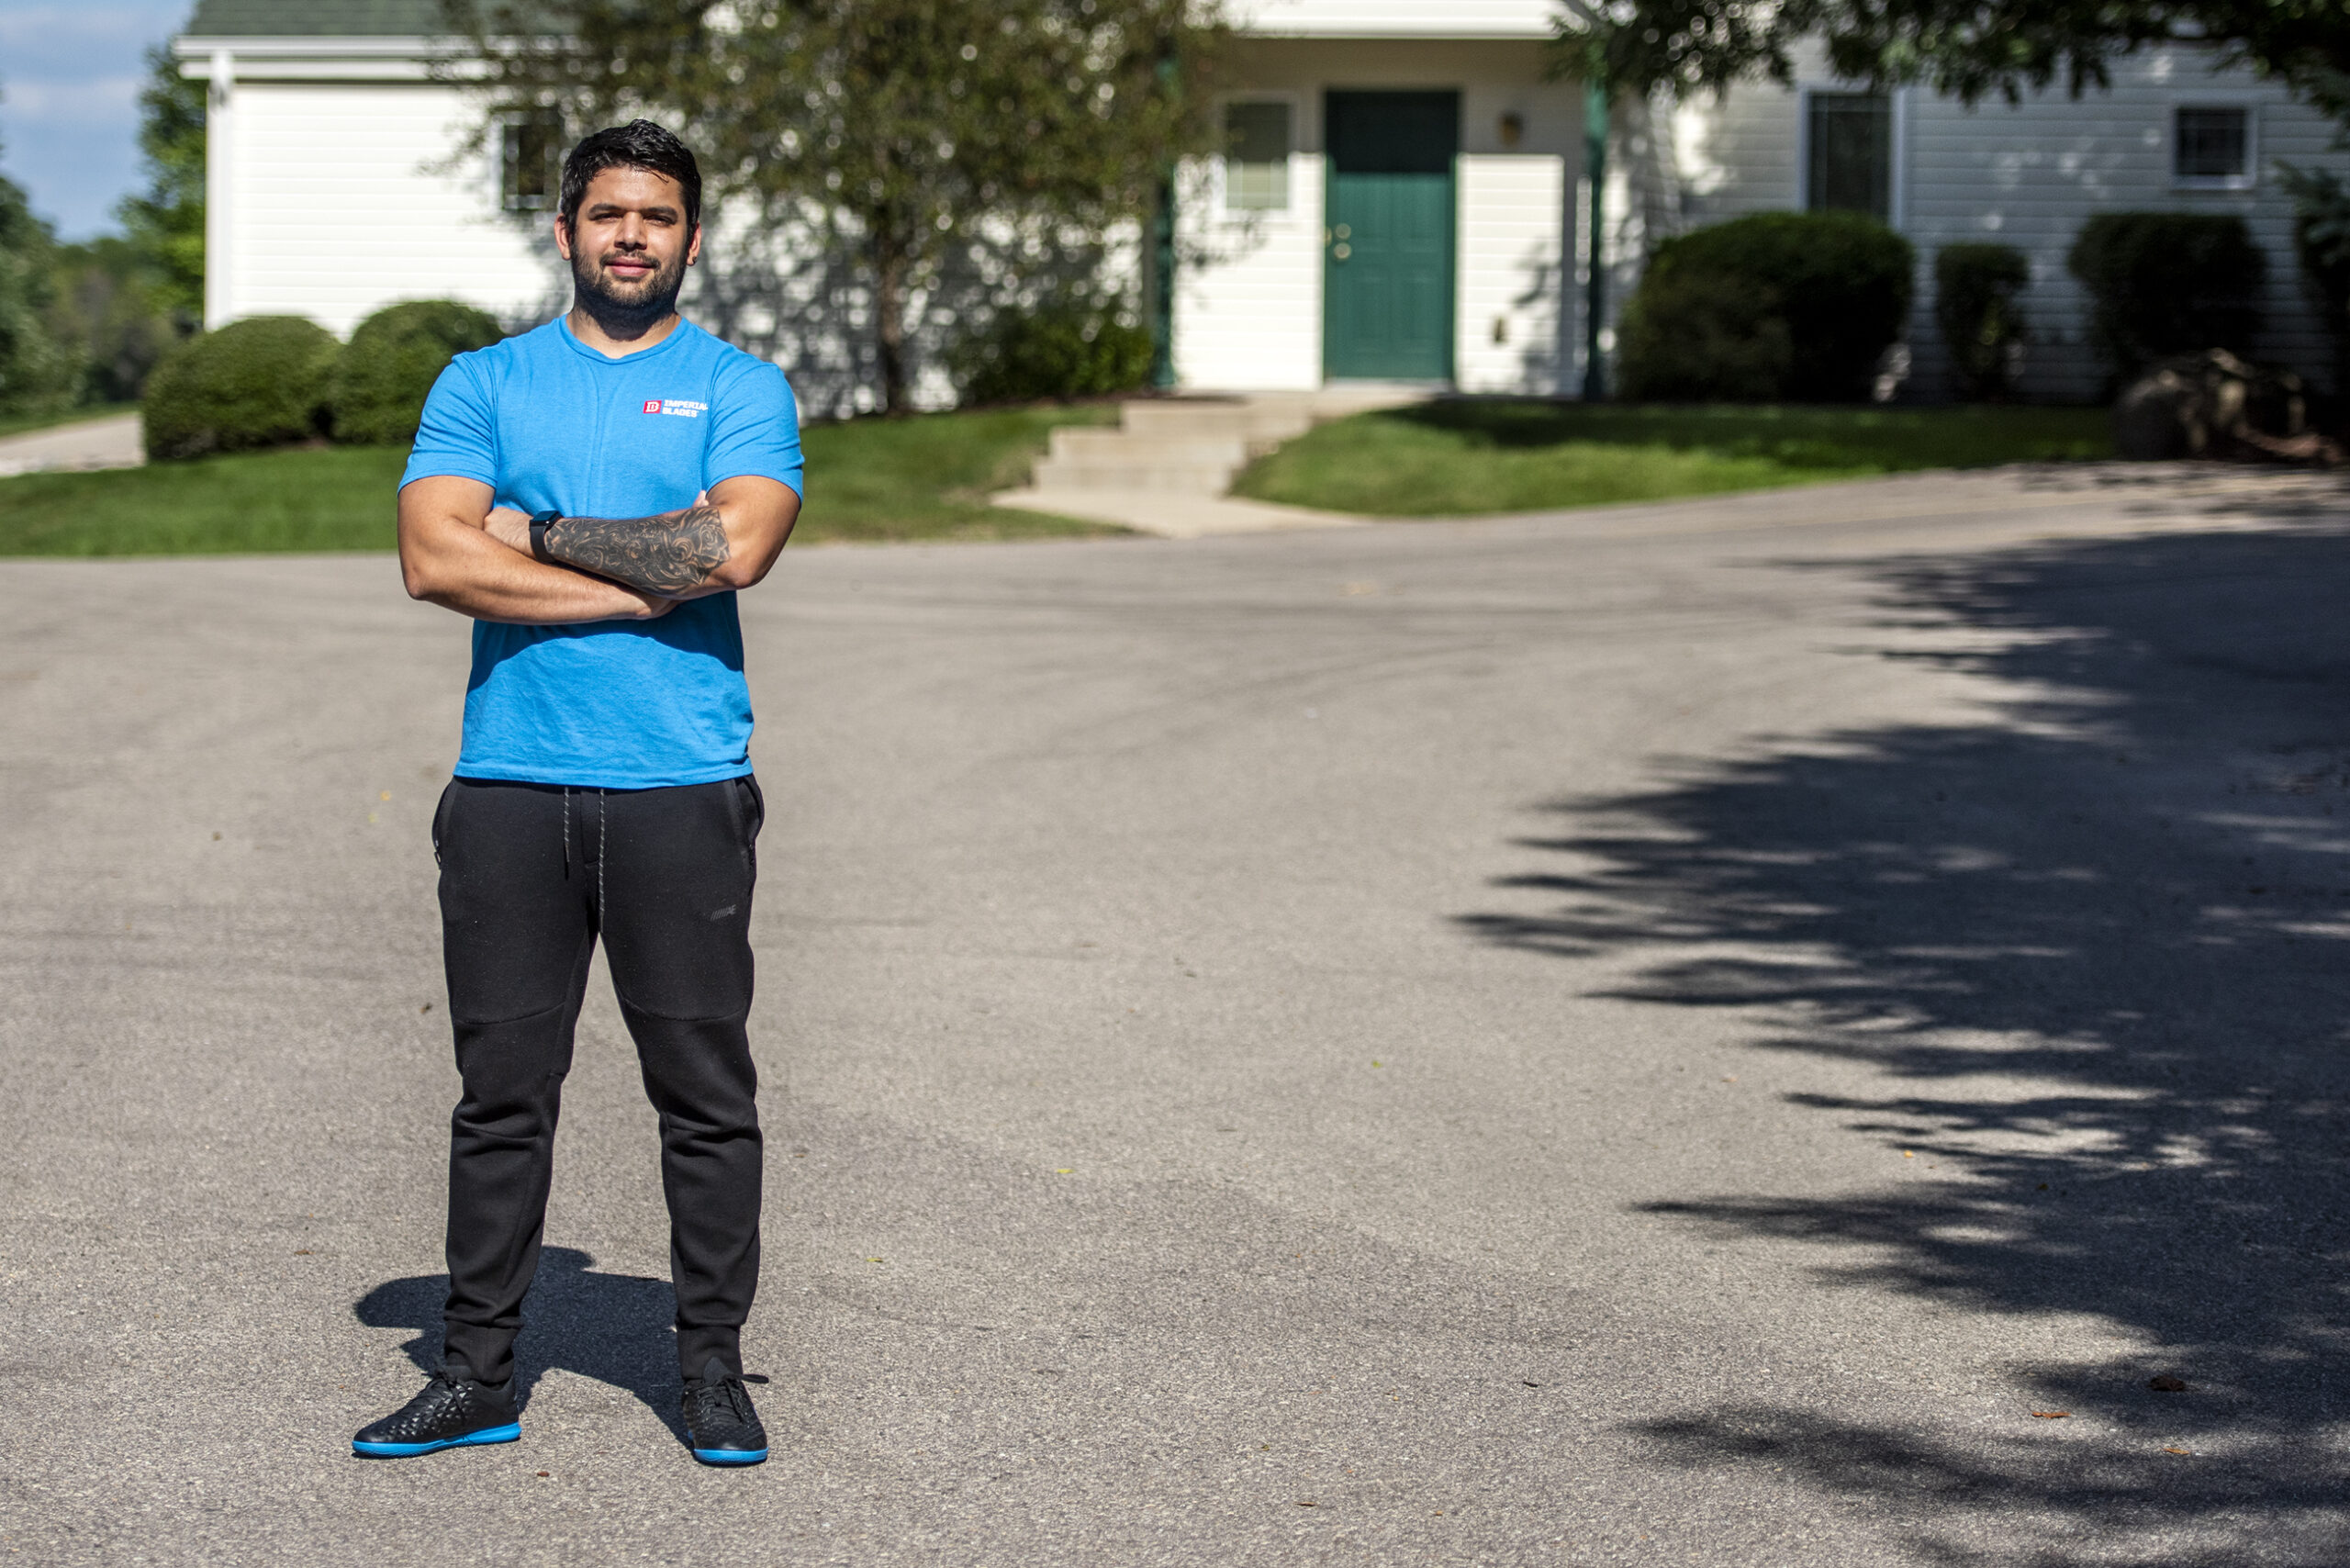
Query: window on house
x=2211 y=145
x=531 y=162
x=1256 y=167
x=1850 y=146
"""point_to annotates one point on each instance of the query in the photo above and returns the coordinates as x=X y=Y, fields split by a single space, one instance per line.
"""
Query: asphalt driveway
x=1739 y=1033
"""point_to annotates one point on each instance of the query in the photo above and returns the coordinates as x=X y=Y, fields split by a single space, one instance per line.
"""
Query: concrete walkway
x=113 y=442
x=1743 y=1033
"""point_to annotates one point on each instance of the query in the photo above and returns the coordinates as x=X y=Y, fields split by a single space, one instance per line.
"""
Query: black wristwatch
x=539 y=522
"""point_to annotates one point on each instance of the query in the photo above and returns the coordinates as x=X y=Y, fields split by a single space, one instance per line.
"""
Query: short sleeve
x=458 y=436
x=754 y=429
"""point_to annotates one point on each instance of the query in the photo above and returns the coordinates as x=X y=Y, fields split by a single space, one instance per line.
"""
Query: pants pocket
x=750 y=808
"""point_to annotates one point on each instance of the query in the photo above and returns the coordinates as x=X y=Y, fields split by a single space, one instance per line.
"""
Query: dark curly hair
x=639 y=144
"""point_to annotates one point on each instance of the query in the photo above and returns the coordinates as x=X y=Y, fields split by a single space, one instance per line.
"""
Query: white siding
x=1513 y=228
x=1249 y=285
x=1737 y=156
x=2028 y=175
x=342 y=200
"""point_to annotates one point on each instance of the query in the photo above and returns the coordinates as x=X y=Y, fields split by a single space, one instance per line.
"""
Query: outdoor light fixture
x=1513 y=129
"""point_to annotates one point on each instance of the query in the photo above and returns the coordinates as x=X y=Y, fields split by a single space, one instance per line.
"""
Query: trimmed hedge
x=1974 y=306
x=1836 y=285
x=2167 y=283
x=381 y=377
x=255 y=382
x=1068 y=347
x=1696 y=337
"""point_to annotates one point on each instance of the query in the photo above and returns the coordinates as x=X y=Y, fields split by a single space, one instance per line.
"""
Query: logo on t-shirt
x=677 y=406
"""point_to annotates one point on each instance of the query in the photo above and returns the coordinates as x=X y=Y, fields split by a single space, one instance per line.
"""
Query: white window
x=531 y=163
x=2212 y=146
x=1255 y=165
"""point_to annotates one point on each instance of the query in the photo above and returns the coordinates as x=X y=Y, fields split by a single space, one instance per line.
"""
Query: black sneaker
x=452 y=1412
x=719 y=1420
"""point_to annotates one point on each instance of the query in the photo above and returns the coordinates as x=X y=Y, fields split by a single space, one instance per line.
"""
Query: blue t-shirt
x=550 y=423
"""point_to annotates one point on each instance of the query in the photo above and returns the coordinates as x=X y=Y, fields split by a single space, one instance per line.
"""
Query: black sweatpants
x=531 y=876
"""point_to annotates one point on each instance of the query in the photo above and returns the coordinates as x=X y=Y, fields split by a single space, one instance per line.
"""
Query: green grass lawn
x=928 y=477
x=923 y=477
x=1457 y=457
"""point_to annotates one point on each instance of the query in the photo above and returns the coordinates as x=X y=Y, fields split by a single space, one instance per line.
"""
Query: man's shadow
x=616 y=1328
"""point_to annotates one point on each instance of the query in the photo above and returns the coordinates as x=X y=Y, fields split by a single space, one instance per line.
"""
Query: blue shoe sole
x=732 y=1456
x=510 y=1432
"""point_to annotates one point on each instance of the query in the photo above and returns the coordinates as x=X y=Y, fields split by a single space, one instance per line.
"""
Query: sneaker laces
x=432 y=1404
x=729 y=1391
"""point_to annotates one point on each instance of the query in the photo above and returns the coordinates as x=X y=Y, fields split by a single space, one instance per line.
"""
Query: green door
x=1387 y=249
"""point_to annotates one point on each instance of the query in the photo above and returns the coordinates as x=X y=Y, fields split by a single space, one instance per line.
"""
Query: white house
x=1410 y=196
x=2171 y=134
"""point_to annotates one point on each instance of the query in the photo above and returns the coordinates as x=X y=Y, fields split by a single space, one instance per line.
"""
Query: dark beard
x=635 y=313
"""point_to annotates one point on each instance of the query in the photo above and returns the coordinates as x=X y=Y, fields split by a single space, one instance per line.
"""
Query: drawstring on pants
x=603 y=837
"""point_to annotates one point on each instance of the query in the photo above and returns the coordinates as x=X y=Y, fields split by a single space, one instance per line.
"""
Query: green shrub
x=382 y=376
x=1067 y=347
x=1837 y=284
x=259 y=382
x=1697 y=337
x=2167 y=283
x=1974 y=306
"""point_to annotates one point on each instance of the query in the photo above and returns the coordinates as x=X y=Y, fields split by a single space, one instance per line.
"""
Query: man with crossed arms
x=592 y=494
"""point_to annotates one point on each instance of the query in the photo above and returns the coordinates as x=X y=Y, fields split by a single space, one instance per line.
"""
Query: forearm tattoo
x=672 y=553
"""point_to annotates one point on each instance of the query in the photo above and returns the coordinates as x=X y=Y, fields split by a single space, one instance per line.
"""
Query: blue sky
x=69 y=102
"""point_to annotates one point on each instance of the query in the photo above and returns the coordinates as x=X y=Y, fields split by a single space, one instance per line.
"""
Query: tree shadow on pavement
x=2098 y=947
x=616 y=1328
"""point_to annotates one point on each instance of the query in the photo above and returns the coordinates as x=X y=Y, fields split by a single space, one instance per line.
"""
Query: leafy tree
x=1968 y=47
x=109 y=314
x=165 y=222
x=34 y=372
x=912 y=126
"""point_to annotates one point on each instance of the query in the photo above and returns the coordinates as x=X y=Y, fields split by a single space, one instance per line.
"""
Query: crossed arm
x=458 y=551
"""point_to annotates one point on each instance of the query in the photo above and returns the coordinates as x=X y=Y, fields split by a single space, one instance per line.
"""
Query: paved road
x=1639 y=1036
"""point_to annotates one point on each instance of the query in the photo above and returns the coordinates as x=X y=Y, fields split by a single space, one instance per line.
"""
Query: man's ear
x=693 y=247
x=562 y=236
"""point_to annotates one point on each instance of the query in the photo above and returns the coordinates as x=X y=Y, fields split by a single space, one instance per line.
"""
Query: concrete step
x=1192 y=478
x=1258 y=429
x=1109 y=445
x=1176 y=447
